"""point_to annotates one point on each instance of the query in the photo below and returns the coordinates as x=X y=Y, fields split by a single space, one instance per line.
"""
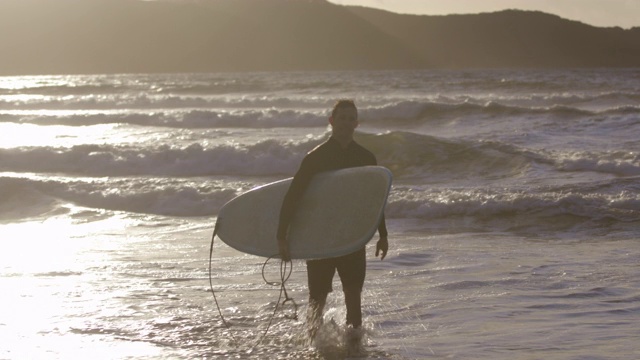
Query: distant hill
x=509 y=38
x=125 y=36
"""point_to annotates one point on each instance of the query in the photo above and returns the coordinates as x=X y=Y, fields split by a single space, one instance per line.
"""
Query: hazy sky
x=623 y=13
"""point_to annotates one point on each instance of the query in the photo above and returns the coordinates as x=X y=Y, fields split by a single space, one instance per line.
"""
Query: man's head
x=344 y=120
x=341 y=104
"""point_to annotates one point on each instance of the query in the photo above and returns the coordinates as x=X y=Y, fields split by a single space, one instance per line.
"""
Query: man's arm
x=382 y=246
x=290 y=203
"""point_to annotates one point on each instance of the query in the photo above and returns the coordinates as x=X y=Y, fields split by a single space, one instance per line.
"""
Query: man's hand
x=283 y=247
x=382 y=247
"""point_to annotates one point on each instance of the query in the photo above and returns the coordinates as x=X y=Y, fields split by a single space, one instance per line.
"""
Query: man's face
x=344 y=122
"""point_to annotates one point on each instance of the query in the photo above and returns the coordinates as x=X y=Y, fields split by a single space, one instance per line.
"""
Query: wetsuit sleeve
x=291 y=200
x=382 y=227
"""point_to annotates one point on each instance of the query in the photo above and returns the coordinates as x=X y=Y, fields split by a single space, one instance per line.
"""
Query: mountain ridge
x=133 y=36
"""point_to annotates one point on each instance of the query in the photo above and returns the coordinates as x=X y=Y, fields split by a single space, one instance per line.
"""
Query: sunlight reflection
x=72 y=346
x=17 y=135
x=44 y=279
x=53 y=245
x=27 y=82
x=31 y=246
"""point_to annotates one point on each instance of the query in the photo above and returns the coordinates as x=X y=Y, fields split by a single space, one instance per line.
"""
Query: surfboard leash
x=215 y=299
x=284 y=277
x=285 y=274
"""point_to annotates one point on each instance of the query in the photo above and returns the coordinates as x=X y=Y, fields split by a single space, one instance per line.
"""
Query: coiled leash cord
x=285 y=274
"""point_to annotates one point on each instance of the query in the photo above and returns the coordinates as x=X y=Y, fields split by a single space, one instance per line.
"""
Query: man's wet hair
x=341 y=104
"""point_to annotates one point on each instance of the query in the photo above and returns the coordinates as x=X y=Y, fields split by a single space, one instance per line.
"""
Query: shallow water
x=132 y=293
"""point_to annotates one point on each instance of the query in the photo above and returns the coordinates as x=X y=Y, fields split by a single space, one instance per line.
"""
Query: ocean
x=514 y=216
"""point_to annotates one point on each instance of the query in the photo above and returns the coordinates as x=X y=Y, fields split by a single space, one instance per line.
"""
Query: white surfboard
x=338 y=214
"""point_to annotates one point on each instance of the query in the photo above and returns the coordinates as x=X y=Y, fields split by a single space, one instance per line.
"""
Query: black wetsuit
x=351 y=268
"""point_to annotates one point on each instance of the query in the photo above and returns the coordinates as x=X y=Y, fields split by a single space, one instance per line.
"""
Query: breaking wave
x=408 y=155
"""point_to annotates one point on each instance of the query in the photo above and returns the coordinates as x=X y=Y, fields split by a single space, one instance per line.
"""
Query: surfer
x=338 y=152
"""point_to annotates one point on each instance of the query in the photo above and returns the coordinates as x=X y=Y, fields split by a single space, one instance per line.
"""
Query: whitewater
x=514 y=216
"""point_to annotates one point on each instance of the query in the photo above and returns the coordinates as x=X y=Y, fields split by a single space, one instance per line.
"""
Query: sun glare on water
x=28 y=135
x=46 y=278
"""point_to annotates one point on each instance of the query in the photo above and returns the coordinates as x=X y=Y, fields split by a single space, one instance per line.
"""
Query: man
x=339 y=152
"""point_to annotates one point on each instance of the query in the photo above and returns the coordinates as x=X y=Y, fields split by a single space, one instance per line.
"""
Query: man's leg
x=314 y=313
x=353 y=300
x=320 y=276
x=352 y=269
